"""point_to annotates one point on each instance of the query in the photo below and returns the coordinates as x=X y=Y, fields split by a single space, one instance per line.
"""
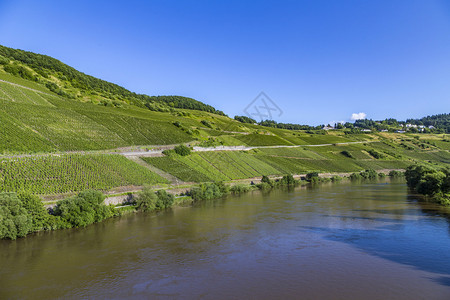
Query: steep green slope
x=71 y=83
x=50 y=107
x=72 y=173
x=49 y=122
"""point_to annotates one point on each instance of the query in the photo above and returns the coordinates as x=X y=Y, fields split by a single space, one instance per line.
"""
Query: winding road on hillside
x=27 y=88
x=159 y=152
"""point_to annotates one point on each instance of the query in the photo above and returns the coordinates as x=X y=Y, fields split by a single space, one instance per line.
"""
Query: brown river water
x=336 y=241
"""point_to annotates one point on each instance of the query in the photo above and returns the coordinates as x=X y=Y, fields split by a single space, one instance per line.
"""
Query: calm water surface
x=338 y=241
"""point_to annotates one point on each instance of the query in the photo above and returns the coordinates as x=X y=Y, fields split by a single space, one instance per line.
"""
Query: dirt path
x=28 y=88
x=158 y=152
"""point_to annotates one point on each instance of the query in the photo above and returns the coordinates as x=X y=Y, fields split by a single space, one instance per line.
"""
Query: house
x=366 y=130
x=400 y=131
x=384 y=130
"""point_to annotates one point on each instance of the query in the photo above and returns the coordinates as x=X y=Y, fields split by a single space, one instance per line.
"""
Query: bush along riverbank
x=434 y=184
x=24 y=213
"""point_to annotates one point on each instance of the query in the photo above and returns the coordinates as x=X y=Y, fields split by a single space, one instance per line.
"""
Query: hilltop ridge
x=68 y=82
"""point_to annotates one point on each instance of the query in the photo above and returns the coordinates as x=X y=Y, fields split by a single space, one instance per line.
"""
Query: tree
x=182 y=150
x=288 y=180
x=311 y=175
x=36 y=210
x=431 y=183
x=165 y=200
x=84 y=209
x=146 y=200
x=267 y=180
x=245 y=119
x=14 y=220
x=414 y=174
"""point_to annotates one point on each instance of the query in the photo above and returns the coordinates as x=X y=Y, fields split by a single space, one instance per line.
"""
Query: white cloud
x=358 y=116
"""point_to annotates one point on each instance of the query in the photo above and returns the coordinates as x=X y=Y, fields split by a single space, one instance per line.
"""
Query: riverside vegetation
x=63 y=132
x=24 y=213
x=434 y=184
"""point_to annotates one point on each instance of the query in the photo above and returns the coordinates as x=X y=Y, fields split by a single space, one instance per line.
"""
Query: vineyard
x=72 y=173
x=34 y=120
x=262 y=140
x=177 y=169
x=230 y=165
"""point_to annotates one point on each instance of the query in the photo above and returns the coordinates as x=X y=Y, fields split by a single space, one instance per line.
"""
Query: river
x=336 y=241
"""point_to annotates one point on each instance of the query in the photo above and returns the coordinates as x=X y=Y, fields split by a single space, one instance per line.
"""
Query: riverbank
x=370 y=240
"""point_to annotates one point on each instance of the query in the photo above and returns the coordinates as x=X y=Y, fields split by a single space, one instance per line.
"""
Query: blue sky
x=319 y=61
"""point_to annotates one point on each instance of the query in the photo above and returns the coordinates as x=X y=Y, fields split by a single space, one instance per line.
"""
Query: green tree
x=165 y=200
x=146 y=200
x=14 y=220
x=414 y=174
x=267 y=180
x=312 y=175
x=36 y=210
x=84 y=209
x=431 y=183
x=182 y=150
x=288 y=180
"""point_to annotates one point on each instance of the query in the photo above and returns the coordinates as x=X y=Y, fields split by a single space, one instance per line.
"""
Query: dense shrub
x=3 y=60
x=84 y=209
x=245 y=119
x=19 y=71
x=207 y=191
x=336 y=178
x=314 y=180
x=347 y=154
x=14 y=219
x=41 y=219
x=414 y=174
x=267 y=180
x=146 y=200
x=355 y=176
x=310 y=176
x=395 y=173
x=206 y=123
x=165 y=200
x=240 y=188
x=369 y=174
x=264 y=186
x=182 y=150
x=287 y=180
x=433 y=183
x=376 y=154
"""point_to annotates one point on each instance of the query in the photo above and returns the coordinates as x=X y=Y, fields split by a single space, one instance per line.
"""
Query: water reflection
x=344 y=240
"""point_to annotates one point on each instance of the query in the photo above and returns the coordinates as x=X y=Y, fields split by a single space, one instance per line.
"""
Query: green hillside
x=49 y=107
x=71 y=83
